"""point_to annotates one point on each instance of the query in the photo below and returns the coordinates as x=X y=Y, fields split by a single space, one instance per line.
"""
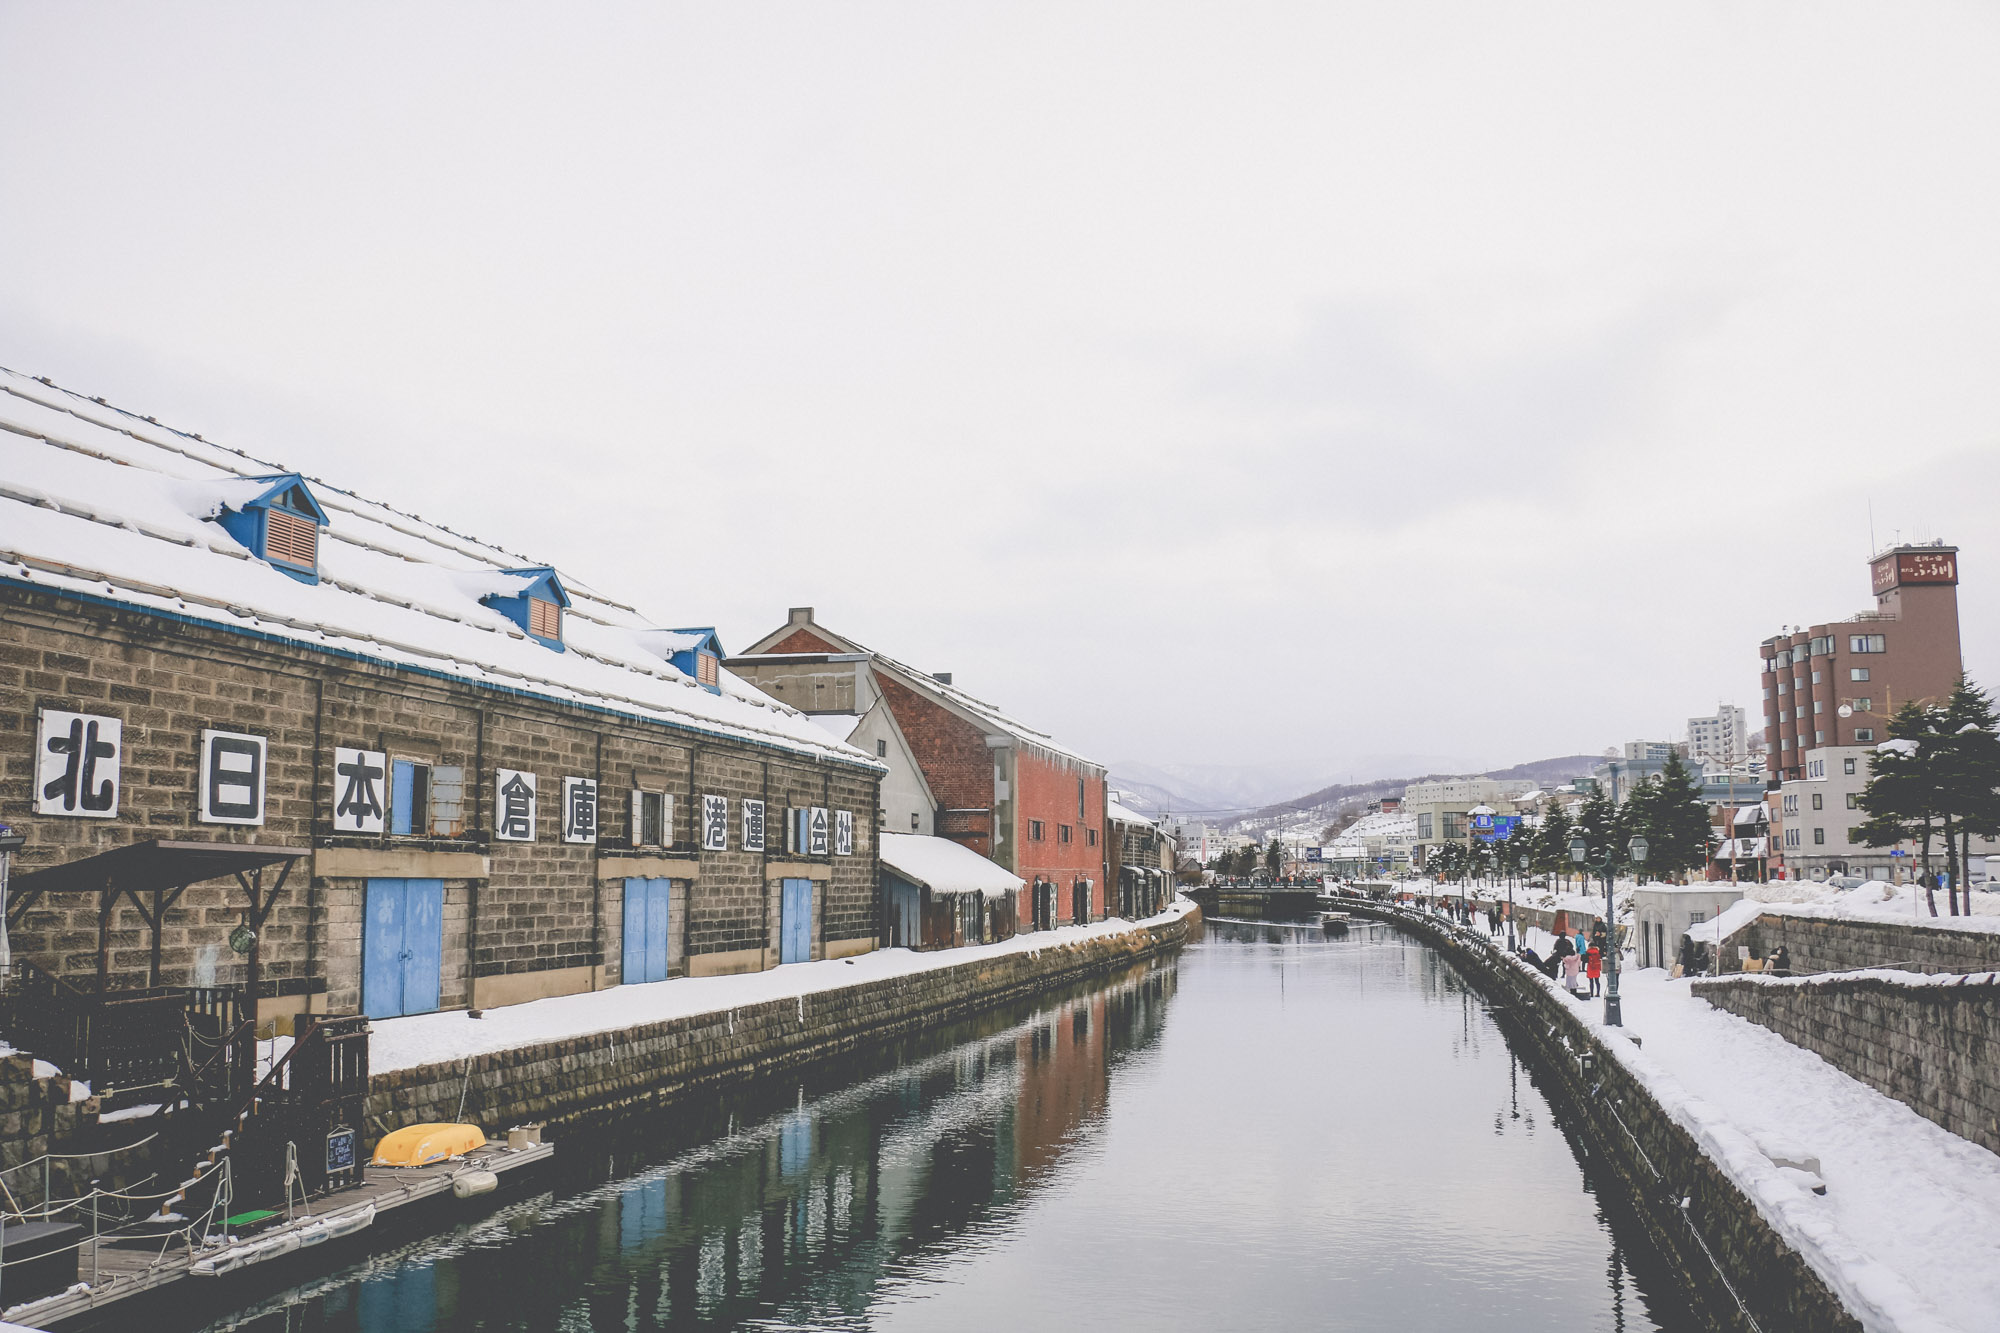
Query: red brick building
x=998 y=786
x=1838 y=684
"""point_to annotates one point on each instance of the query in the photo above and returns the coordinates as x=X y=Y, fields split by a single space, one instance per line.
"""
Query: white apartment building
x=1721 y=739
x=1815 y=819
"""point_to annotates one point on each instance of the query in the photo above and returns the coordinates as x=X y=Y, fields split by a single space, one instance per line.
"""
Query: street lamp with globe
x=1579 y=852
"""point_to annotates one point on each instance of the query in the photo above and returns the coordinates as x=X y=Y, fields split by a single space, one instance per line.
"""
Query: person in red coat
x=1593 y=967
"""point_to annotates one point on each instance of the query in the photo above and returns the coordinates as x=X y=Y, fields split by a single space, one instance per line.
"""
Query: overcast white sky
x=1320 y=386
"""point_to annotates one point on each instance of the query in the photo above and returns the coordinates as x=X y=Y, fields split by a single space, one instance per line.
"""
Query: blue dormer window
x=535 y=602
x=695 y=653
x=278 y=520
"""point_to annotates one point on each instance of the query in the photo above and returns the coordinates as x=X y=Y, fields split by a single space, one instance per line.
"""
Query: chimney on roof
x=941 y=677
x=799 y=615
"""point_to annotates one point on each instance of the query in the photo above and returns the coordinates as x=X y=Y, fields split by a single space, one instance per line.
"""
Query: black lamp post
x=1579 y=852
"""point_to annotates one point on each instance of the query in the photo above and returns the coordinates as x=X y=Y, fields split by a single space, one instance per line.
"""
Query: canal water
x=1273 y=1131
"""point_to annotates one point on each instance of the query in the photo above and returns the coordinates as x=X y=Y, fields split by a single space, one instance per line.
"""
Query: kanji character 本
x=360 y=806
x=77 y=785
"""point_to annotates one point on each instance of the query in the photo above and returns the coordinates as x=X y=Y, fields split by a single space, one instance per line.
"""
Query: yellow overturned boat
x=423 y=1145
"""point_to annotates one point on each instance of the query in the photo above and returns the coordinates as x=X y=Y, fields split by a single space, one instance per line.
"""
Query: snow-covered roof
x=944 y=866
x=1725 y=923
x=1121 y=813
x=837 y=725
x=1760 y=813
x=100 y=504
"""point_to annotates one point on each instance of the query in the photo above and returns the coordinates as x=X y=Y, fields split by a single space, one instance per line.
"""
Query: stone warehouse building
x=983 y=779
x=474 y=781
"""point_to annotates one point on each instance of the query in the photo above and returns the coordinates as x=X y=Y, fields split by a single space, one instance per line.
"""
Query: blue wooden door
x=795 y=922
x=402 y=947
x=423 y=944
x=645 y=954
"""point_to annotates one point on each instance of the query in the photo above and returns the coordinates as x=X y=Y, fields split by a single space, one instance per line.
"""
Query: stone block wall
x=1841 y=944
x=1932 y=1045
x=521 y=919
x=609 y=1071
x=36 y=1118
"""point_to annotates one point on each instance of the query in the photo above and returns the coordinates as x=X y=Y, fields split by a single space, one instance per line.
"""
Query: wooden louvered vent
x=292 y=539
x=544 y=618
x=705 y=669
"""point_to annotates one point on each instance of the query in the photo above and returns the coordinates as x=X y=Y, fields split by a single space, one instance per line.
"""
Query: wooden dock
x=123 y=1272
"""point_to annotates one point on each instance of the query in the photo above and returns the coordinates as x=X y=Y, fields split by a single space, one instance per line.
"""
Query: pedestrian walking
x=1564 y=954
x=1593 y=968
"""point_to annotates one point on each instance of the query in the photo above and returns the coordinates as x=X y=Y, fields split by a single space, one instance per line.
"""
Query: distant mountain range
x=1194 y=790
x=1227 y=791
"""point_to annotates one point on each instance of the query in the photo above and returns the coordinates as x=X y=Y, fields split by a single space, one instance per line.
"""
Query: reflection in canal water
x=1275 y=1130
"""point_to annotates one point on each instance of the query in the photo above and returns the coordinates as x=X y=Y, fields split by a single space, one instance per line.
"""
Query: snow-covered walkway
x=402 y=1043
x=1908 y=1232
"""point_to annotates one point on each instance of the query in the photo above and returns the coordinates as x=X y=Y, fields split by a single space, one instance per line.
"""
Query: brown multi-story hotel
x=1837 y=684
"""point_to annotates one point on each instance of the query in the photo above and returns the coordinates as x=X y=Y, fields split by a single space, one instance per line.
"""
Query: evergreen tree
x=1635 y=817
x=1905 y=798
x=1969 y=762
x=1274 y=857
x=1550 y=851
x=1678 y=829
x=1598 y=822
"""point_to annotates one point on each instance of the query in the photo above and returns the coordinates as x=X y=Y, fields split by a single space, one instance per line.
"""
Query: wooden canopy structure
x=161 y=872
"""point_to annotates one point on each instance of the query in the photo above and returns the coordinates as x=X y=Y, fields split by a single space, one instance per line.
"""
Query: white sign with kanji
x=816 y=832
x=360 y=790
x=753 y=826
x=843 y=833
x=232 y=778
x=714 y=823
x=77 y=757
x=513 y=805
x=579 y=820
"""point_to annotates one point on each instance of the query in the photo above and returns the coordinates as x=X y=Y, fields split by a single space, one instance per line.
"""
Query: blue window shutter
x=403 y=798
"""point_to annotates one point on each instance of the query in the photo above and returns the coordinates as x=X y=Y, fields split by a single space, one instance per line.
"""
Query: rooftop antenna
x=1872 y=547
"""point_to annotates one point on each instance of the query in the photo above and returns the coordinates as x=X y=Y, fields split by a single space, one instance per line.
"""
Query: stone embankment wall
x=1932 y=1045
x=611 y=1071
x=1842 y=944
x=1728 y=1256
x=36 y=1117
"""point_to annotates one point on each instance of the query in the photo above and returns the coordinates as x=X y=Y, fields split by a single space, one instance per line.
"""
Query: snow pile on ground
x=1908 y=1231
x=1902 y=905
x=403 y=1043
